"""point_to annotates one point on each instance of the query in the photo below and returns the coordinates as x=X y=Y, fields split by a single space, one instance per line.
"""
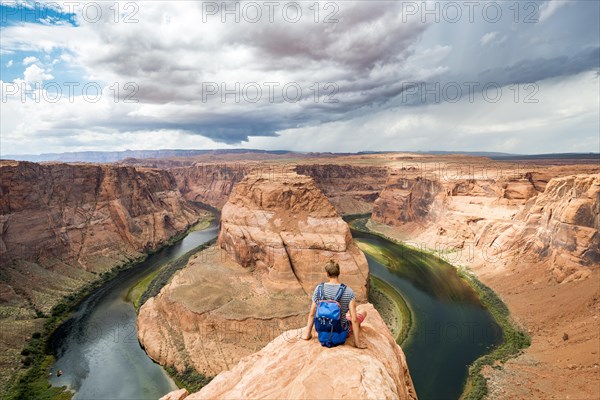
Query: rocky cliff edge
x=291 y=368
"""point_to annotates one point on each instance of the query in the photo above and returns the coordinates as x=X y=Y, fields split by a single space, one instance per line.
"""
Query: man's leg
x=360 y=317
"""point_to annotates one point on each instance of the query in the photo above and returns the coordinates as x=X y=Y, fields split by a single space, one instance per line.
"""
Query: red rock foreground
x=291 y=368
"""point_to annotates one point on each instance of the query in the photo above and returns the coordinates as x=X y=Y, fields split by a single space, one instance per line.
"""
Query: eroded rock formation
x=90 y=216
x=409 y=200
x=286 y=228
x=213 y=313
x=562 y=226
x=208 y=183
x=291 y=368
x=235 y=297
x=533 y=237
x=350 y=188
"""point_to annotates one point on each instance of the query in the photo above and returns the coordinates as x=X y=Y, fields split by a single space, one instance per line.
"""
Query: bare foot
x=361 y=345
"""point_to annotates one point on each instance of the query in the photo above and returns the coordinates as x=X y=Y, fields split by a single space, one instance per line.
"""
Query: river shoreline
x=392 y=308
x=515 y=339
x=32 y=382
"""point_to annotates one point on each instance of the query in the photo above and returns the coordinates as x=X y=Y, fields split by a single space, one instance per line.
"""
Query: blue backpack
x=328 y=319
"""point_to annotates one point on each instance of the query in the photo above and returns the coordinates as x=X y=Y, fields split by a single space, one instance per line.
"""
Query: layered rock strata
x=286 y=229
x=500 y=222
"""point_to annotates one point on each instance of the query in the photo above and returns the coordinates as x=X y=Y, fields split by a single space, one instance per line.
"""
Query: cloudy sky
x=519 y=77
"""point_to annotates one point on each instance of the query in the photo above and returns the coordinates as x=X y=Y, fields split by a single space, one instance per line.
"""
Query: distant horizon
x=140 y=153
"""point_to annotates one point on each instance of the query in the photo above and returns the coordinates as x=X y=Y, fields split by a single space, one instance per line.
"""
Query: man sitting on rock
x=347 y=305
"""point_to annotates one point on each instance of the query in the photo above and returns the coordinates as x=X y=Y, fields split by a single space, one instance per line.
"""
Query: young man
x=347 y=304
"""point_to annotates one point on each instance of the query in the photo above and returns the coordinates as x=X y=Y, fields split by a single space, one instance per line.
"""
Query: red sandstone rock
x=285 y=227
x=291 y=368
x=61 y=224
x=90 y=215
x=234 y=298
x=208 y=183
x=213 y=313
x=176 y=395
x=351 y=189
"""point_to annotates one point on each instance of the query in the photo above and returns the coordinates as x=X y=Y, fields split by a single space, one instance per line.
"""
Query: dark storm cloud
x=362 y=55
x=372 y=56
x=535 y=70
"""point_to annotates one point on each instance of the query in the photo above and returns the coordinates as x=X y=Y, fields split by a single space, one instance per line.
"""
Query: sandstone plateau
x=235 y=297
x=62 y=225
x=291 y=368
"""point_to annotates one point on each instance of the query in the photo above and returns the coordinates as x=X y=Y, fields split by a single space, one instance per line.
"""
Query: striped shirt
x=329 y=292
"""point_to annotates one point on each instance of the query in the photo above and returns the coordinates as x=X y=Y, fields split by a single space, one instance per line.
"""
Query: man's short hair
x=332 y=268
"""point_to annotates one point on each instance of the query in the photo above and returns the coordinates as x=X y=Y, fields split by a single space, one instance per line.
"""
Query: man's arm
x=309 y=323
x=356 y=326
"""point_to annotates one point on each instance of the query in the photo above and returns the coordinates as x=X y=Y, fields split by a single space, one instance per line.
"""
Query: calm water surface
x=451 y=328
x=97 y=348
x=98 y=351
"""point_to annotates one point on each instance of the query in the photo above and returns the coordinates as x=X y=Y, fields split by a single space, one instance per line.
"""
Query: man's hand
x=307 y=334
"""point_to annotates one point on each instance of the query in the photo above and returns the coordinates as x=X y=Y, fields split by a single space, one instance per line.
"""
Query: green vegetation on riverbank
x=189 y=379
x=392 y=307
x=150 y=285
x=514 y=338
x=153 y=283
x=31 y=382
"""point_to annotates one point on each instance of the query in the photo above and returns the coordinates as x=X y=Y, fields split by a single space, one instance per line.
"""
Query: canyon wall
x=208 y=183
x=562 y=226
x=235 y=297
x=526 y=217
x=62 y=225
x=90 y=216
x=406 y=200
x=351 y=189
x=291 y=368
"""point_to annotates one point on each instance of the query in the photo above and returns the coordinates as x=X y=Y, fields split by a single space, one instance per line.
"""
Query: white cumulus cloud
x=33 y=74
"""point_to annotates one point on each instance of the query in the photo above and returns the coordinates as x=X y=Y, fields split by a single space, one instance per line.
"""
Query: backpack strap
x=320 y=291
x=340 y=292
